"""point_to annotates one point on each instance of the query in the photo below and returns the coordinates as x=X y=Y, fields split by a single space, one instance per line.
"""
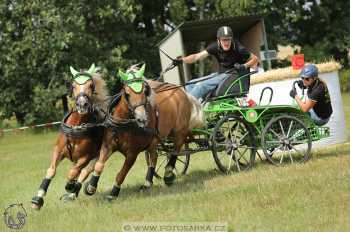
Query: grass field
x=310 y=197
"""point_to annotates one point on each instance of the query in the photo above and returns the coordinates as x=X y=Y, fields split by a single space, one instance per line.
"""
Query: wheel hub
x=231 y=146
x=286 y=142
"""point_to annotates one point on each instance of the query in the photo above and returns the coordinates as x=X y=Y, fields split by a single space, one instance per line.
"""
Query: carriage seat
x=235 y=88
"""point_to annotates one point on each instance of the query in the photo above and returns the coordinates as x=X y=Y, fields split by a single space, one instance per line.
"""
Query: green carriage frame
x=260 y=126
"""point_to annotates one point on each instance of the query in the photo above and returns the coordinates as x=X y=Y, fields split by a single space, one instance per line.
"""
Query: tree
x=39 y=39
x=322 y=28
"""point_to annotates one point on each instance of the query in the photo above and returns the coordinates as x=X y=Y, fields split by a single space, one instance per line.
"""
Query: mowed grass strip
x=314 y=196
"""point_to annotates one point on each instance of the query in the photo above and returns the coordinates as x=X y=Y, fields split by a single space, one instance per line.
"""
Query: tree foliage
x=39 y=39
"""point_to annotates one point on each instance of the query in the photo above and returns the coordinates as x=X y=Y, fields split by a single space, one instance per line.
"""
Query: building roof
x=205 y=30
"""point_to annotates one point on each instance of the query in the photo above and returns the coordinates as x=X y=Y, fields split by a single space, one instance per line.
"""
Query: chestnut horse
x=139 y=120
x=81 y=134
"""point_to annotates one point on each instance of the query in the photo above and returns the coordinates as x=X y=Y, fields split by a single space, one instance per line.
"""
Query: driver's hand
x=239 y=67
x=301 y=84
x=177 y=61
x=293 y=93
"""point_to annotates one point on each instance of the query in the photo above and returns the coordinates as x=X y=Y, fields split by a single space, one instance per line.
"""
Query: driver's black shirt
x=319 y=93
x=226 y=59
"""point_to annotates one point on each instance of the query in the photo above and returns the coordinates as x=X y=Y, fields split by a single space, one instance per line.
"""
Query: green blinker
x=136 y=86
x=139 y=73
x=128 y=78
x=82 y=78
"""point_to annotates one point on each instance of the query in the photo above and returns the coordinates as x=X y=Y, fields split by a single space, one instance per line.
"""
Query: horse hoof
x=71 y=186
x=67 y=197
x=37 y=202
x=144 y=188
x=156 y=175
x=89 y=189
x=169 y=177
x=110 y=198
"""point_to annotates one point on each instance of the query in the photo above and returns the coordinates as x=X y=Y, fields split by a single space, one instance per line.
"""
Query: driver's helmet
x=224 y=31
x=310 y=70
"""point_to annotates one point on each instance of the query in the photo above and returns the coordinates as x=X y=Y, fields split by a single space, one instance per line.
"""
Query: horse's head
x=137 y=93
x=83 y=88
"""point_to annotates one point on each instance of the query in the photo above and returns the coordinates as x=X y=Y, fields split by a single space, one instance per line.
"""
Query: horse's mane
x=101 y=94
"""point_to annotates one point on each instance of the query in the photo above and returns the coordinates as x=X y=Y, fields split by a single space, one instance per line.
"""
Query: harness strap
x=83 y=130
x=70 y=150
x=157 y=134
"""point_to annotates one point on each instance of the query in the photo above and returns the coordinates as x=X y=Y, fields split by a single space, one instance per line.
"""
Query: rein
x=113 y=121
x=229 y=71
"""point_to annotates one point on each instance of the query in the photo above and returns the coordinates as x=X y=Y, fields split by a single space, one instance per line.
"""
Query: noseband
x=82 y=94
x=85 y=96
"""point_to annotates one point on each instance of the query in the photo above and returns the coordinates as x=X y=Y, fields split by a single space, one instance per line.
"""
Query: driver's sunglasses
x=225 y=39
x=306 y=78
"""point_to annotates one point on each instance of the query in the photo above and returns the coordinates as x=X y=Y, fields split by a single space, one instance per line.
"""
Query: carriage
x=237 y=132
x=234 y=132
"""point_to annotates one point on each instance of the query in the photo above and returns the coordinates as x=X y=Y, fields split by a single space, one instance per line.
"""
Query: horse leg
x=91 y=186
x=38 y=200
x=128 y=163
x=169 y=175
x=151 y=158
x=73 y=186
x=85 y=172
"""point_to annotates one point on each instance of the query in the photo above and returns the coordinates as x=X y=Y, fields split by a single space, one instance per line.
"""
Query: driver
x=319 y=103
x=229 y=53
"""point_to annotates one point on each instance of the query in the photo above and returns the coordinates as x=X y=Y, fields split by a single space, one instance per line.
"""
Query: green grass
x=310 y=197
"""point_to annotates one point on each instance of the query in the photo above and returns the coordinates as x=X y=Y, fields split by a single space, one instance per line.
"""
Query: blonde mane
x=101 y=94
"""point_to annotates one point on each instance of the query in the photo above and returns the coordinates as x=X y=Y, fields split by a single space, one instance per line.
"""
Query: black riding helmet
x=224 y=31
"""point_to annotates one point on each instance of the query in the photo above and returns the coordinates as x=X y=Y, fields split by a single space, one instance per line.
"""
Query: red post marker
x=298 y=61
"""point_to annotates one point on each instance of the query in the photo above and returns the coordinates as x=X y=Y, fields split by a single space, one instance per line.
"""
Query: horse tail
x=197 y=119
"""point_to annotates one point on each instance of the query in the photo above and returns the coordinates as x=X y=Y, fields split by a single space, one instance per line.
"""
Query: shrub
x=344 y=76
x=46 y=107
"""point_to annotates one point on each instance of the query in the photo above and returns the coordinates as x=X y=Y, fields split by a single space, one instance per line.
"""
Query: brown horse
x=80 y=137
x=139 y=121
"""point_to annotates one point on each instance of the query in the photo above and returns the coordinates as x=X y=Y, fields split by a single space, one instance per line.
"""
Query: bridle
x=145 y=101
x=118 y=123
x=82 y=94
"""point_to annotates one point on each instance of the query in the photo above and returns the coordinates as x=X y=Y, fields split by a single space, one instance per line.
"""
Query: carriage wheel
x=233 y=144
x=181 y=166
x=286 y=138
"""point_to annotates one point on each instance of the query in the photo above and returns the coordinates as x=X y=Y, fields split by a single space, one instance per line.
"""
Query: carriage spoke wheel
x=181 y=166
x=233 y=145
x=286 y=139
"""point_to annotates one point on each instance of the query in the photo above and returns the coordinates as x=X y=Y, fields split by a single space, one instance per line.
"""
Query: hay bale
x=290 y=73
